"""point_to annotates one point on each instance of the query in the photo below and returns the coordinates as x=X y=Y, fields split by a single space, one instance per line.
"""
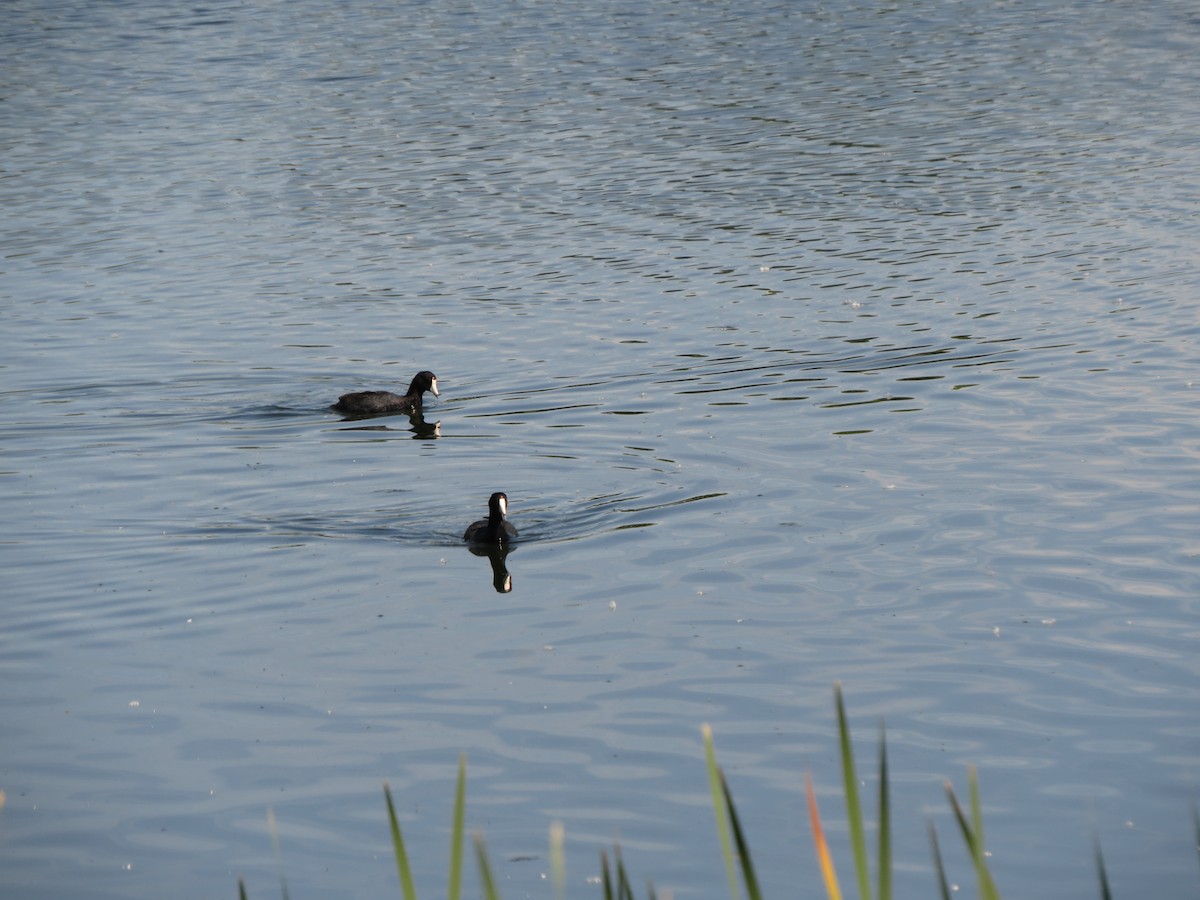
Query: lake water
x=811 y=343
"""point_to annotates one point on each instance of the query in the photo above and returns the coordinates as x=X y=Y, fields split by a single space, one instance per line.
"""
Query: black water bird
x=494 y=529
x=381 y=403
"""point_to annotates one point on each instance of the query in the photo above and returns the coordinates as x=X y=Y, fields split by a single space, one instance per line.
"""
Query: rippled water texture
x=810 y=343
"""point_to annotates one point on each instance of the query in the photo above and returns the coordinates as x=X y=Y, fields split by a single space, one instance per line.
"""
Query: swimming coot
x=378 y=403
x=494 y=529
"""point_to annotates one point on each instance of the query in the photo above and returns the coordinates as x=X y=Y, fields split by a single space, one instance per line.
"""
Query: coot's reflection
x=496 y=554
x=421 y=430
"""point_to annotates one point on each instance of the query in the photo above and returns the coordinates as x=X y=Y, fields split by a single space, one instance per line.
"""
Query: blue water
x=811 y=344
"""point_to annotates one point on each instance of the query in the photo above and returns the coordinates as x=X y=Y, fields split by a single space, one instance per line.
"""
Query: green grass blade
x=1105 y=893
x=558 y=861
x=884 y=860
x=605 y=878
x=454 y=885
x=976 y=806
x=624 y=889
x=743 y=849
x=241 y=889
x=987 y=887
x=963 y=825
x=719 y=811
x=939 y=869
x=403 y=869
x=858 y=841
x=486 y=880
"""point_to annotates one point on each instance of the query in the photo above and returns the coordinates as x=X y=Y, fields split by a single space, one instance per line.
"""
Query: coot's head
x=495 y=529
x=422 y=382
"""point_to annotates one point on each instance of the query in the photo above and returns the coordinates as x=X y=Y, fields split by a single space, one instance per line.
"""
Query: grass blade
x=884 y=860
x=743 y=848
x=241 y=889
x=976 y=806
x=825 y=860
x=486 y=880
x=987 y=887
x=720 y=813
x=624 y=890
x=403 y=869
x=939 y=869
x=273 y=827
x=558 y=861
x=858 y=840
x=1105 y=894
x=605 y=878
x=454 y=885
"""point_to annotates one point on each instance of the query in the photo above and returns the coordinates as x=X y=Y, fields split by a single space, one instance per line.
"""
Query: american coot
x=494 y=529
x=378 y=403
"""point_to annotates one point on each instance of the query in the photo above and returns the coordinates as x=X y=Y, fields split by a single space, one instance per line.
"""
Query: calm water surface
x=811 y=343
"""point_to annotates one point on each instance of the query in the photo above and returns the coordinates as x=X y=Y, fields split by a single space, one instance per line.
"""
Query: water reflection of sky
x=810 y=345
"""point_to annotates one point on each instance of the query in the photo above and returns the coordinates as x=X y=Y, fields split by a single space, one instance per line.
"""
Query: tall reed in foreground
x=735 y=851
x=728 y=823
x=458 y=824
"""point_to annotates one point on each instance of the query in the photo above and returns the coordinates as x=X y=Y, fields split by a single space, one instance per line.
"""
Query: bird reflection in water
x=421 y=430
x=496 y=554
